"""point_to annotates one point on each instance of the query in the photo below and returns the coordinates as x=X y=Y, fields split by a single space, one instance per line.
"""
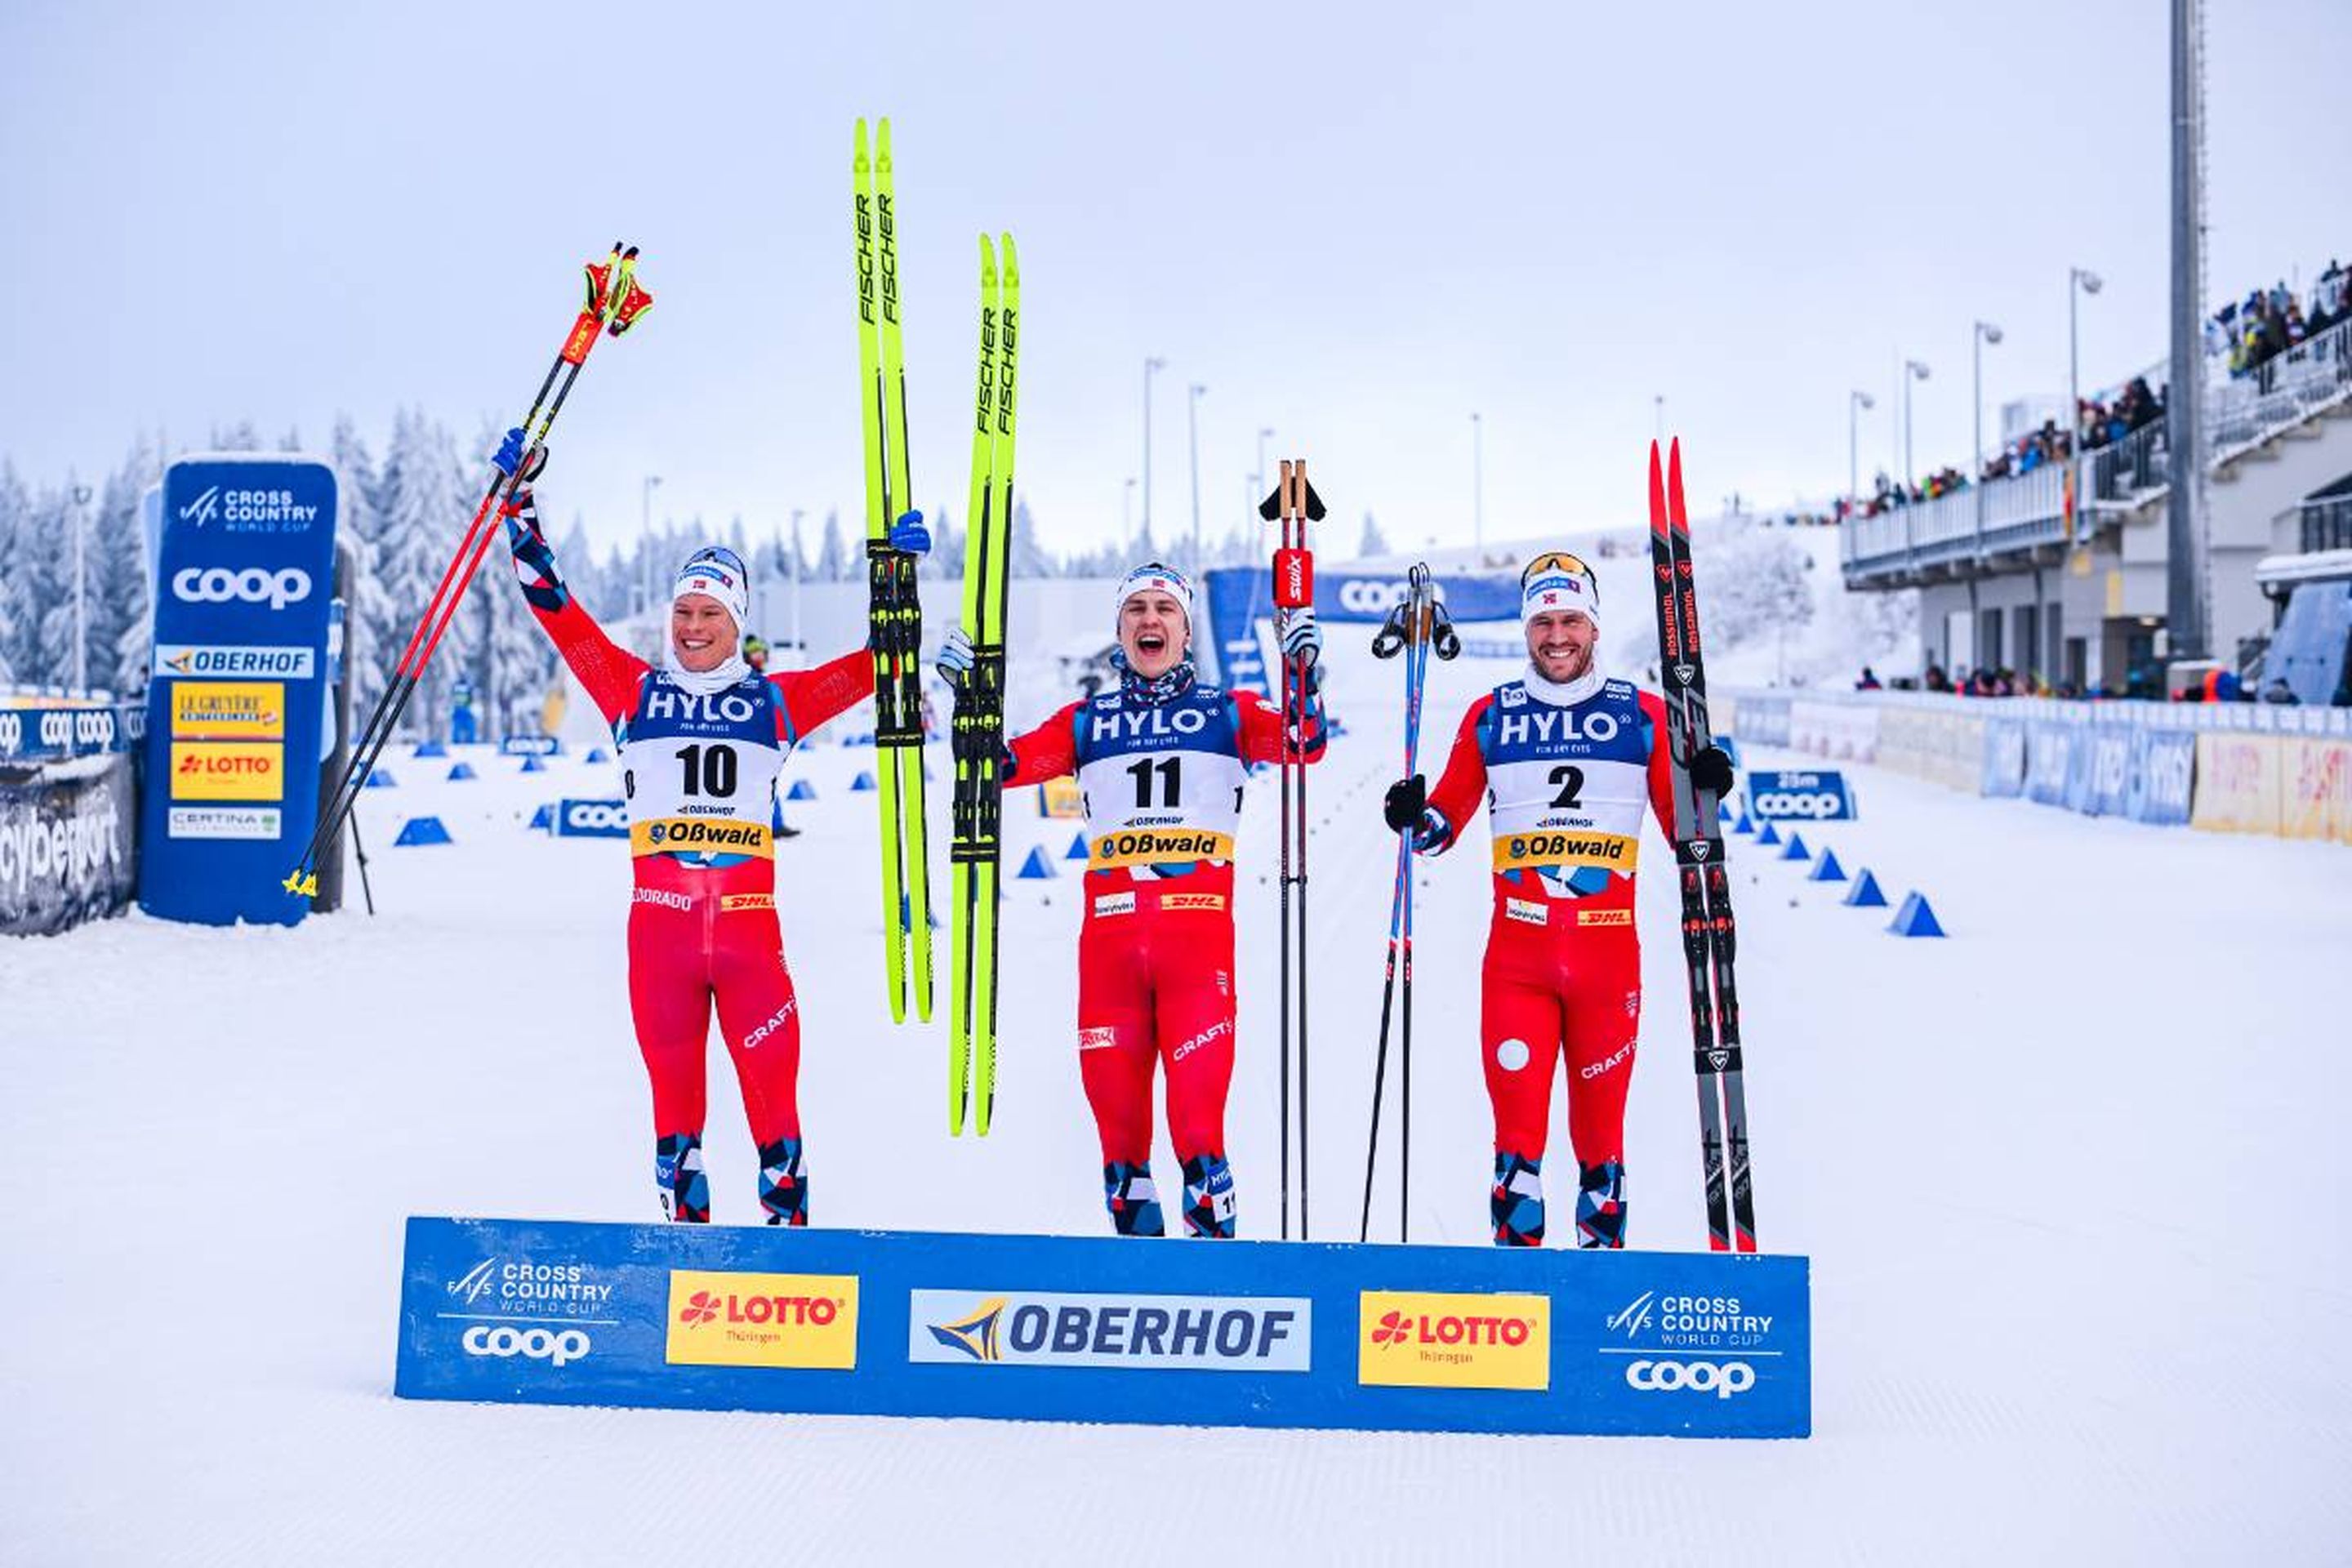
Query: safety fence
x=2239 y=767
x=68 y=812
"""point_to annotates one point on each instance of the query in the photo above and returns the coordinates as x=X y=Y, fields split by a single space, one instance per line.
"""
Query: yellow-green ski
x=980 y=709
x=896 y=614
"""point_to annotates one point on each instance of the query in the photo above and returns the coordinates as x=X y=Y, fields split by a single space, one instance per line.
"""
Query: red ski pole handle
x=1293 y=577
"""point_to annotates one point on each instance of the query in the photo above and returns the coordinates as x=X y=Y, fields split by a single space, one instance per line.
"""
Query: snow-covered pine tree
x=46 y=547
x=424 y=517
x=20 y=615
x=1373 y=541
x=833 y=564
x=118 y=572
x=371 y=636
x=1027 y=558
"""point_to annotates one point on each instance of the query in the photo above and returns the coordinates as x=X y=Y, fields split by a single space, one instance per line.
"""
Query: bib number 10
x=709 y=769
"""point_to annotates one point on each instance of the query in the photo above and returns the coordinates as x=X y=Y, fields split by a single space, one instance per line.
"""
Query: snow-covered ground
x=2069 y=1179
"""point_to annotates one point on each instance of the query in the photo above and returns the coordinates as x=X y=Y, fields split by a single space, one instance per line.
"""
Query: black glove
x=1407 y=799
x=1710 y=770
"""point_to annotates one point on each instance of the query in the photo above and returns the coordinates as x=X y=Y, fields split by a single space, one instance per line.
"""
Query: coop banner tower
x=236 y=711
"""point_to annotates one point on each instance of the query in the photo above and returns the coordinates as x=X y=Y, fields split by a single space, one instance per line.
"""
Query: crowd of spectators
x=2250 y=334
x=2267 y=322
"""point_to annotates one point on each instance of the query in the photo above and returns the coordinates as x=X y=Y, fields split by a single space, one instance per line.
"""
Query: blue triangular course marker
x=381 y=778
x=1828 y=870
x=430 y=749
x=423 y=830
x=862 y=783
x=1743 y=825
x=800 y=790
x=460 y=770
x=1036 y=866
x=1915 y=918
x=1769 y=834
x=598 y=754
x=544 y=818
x=1796 y=849
x=533 y=766
x=1864 y=893
x=1077 y=849
x=1722 y=811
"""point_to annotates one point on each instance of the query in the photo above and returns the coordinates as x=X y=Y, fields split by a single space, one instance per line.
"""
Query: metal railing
x=2029 y=508
x=2284 y=390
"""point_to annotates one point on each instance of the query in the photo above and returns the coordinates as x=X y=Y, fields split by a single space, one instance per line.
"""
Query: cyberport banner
x=244 y=585
x=1097 y=1329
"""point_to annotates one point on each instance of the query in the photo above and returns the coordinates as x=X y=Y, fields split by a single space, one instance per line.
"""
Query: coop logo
x=1379 y=595
x=1722 y=1379
x=1436 y=1339
x=253 y=585
x=726 y=1319
x=1816 y=797
x=557 y=1347
x=1134 y=1333
x=596 y=817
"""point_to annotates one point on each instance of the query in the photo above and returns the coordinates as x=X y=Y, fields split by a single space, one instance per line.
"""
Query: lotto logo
x=1721 y=1378
x=253 y=585
x=555 y=1347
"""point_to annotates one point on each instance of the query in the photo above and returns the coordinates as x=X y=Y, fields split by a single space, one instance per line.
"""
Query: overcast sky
x=1354 y=222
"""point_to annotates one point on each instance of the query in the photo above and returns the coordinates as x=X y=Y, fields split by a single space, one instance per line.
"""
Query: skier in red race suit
x=1160 y=759
x=701 y=738
x=1564 y=758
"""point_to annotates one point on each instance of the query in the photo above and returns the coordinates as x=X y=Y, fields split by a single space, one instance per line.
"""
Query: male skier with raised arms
x=701 y=737
x=1160 y=759
x=1564 y=758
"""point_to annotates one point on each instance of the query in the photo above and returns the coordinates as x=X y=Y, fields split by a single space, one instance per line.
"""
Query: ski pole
x=1387 y=643
x=1294 y=505
x=614 y=301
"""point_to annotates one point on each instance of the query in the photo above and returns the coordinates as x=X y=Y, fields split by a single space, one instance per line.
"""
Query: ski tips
x=1012 y=257
x=1667 y=508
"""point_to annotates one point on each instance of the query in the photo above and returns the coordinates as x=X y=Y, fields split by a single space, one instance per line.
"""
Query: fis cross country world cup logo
x=1442 y=1339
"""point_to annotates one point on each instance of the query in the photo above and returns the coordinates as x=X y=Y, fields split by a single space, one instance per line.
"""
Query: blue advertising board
x=2163 y=776
x=1821 y=796
x=1241 y=596
x=592 y=819
x=530 y=746
x=1282 y=1334
x=244 y=583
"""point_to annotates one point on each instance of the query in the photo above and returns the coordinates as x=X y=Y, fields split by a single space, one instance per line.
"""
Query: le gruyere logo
x=228 y=710
x=1417 y=1338
x=719 y=1318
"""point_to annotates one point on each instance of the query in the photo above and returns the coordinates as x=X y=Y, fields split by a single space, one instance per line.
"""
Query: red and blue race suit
x=1565 y=769
x=700 y=771
x=1162 y=780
